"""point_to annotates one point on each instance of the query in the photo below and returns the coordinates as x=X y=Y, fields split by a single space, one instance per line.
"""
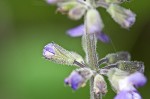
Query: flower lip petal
x=138 y=79
x=103 y=37
x=128 y=95
x=77 y=31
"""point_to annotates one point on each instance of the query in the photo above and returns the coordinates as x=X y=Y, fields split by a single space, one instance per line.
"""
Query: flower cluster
x=75 y=9
x=124 y=75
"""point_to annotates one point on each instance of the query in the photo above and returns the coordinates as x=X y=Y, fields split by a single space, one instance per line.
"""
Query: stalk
x=89 y=42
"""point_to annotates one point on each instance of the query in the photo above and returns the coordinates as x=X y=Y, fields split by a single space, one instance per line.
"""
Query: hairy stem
x=89 y=42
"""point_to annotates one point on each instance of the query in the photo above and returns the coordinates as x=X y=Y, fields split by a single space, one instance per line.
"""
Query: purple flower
x=48 y=51
x=78 y=78
x=126 y=86
x=79 y=31
x=128 y=95
x=122 y=16
x=124 y=83
x=75 y=80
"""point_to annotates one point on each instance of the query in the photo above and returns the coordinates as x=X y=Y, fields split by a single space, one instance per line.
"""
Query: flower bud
x=100 y=85
x=77 y=12
x=122 y=16
x=65 y=7
x=78 y=78
x=59 y=55
x=93 y=21
x=48 y=51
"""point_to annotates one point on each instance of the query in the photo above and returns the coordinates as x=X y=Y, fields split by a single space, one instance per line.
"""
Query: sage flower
x=122 y=16
x=124 y=83
x=78 y=78
x=79 y=31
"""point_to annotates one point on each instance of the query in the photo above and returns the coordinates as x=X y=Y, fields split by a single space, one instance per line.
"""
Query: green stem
x=89 y=42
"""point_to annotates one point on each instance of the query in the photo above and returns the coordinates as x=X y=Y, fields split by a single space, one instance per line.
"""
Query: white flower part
x=116 y=77
x=93 y=21
x=125 y=84
x=48 y=55
x=77 y=12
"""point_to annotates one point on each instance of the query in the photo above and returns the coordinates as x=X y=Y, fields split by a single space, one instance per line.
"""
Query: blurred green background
x=26 y=26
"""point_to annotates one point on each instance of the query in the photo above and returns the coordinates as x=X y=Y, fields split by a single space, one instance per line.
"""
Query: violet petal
x=138 y=79
x=128 y=95
x=103 y=37
x=77 y=31
x=74 y=80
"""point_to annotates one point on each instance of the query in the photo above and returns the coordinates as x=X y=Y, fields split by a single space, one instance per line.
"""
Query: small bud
x=100 y=85
x=77 y=12
x=122 y=16
x=59 y=55
x=114 y=57
x=65 y=7
x=78 y=78
x=93 y=21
